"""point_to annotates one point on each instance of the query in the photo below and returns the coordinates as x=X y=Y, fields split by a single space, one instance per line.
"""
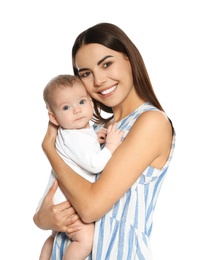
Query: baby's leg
x=47 y=248
x=81 y=244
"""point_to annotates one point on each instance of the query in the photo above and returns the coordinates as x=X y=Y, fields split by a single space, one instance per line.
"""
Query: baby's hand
x=102 y=135
x=113 y=138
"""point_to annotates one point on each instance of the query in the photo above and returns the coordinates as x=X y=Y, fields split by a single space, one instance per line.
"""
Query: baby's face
x=73 y=108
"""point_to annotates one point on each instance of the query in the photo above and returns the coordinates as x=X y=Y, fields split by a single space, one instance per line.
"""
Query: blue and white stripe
x=124 y=232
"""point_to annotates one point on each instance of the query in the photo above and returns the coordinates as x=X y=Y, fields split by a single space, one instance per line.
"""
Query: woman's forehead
x=92 y=53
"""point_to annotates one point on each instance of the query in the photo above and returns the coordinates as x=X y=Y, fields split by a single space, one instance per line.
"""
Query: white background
x=35 y=45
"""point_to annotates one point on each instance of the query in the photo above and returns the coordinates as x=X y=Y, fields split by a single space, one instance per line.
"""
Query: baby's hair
x=58 y=82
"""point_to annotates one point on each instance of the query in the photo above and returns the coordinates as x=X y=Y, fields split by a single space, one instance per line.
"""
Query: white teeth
x=107 y=91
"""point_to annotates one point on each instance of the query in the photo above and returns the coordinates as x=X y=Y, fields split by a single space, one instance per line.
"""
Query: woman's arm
x=148 y=143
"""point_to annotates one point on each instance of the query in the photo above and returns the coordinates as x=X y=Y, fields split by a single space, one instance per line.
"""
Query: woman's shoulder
x=151 y=138
x=138 y=111
x=127 y=122
x=153 y=119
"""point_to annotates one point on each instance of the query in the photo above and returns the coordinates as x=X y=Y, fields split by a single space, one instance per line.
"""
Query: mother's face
x=107 y=74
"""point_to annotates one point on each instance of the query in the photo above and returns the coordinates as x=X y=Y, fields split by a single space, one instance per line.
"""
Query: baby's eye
x=66 y=107
x=83 y=101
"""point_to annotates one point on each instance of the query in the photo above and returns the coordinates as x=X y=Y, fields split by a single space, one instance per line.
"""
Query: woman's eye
x=84 y=75
x=66 y=107
x=107 y=64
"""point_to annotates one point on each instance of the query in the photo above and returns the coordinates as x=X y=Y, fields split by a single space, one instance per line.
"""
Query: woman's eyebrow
x=100 y=61
x=80 y=70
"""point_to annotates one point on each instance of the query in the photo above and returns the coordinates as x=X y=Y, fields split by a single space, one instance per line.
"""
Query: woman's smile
x=109 y=90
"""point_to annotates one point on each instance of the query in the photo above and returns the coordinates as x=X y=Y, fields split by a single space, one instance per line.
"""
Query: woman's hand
x=50 y=136
x=60 y=217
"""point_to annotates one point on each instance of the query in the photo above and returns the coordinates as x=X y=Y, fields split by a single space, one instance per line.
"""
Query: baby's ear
x=52 y=118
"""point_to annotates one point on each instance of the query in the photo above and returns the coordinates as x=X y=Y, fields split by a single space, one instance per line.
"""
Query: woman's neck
x=126 y=108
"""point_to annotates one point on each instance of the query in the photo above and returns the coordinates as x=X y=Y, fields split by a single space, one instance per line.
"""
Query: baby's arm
x=88 y=153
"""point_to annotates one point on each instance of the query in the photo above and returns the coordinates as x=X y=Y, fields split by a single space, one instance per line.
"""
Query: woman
x=122 y=200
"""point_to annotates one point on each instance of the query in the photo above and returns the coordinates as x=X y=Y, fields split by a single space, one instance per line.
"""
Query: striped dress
x=124 y=232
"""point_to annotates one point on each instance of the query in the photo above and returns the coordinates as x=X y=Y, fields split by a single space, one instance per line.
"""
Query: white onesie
x=81 y=150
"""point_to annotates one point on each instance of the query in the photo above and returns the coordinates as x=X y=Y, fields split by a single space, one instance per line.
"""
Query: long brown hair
x=112 y=37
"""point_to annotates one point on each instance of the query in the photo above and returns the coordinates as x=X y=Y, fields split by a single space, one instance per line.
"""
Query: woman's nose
x=99 y=79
